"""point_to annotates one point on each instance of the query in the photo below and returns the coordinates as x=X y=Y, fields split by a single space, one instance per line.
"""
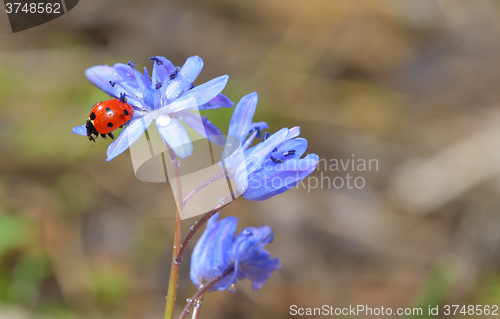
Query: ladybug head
x=91 y=130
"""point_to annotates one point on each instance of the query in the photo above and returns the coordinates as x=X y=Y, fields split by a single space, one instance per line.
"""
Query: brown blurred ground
x=413 y=84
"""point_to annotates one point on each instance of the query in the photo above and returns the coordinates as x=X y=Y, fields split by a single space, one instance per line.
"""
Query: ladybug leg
x=111 y=135
x=103 y=136
x=122 y=98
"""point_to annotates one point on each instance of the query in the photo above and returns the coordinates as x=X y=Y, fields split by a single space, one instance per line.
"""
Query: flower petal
x=100 y=75
x=248 y=249
x=255 y=156
x=274 y=180
x=242 y=116
x=287 y=150
x=175 y=135
x=127 y=137
x=162 y=70
x=293 y=132
x=184 y=78
x=202 y=94
x=210 y=257
x=131 y=76
x=259 y=125
x=203 y=126
x=80 y=130
x=219 y=101
x=259 y=267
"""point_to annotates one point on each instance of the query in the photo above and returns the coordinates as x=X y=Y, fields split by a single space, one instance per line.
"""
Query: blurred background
x=412 y=85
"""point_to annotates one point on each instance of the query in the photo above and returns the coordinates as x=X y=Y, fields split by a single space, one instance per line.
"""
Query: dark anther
x=275 y=149
x=158 y=61
x=288 y=153
x=131 y=64
x=173 y=75
x=122 y=98
x=259 y=134
x=112 y=83
x=125 y=112
x=265 y=136
x=110 y=125
x=276 y=160
x=157 y=86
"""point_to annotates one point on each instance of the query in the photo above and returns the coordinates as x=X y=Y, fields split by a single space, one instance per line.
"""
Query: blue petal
x=242 y=116
x=162 y=71
x=127 y=137
x=186 y=76
x=219 y=101
x=259 y=267
x=201 y=94
x=293 y=132
x=175 y=135
x=256 y=155
x=281 y=152
x=100 y=75
x=80 y=130
x=273 y=180
x=251 y=238
x=210 y=257
x=203 y=126
x=260 y=125
x=248 y=250
x=131 y=76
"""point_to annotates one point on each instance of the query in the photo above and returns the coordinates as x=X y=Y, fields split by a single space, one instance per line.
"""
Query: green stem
x=173 y=281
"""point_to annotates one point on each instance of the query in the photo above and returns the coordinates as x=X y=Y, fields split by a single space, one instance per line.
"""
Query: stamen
x=259 y=133
x=122 y=98
x=173 y=75
x=288 y=153
x=265 y=136
x=158 y=85
x=131 y=64
x=276 y=160
x=112 y=83
x=158 y=61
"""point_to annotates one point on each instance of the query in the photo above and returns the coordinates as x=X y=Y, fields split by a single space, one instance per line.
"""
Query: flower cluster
x=218 y=252
x=167 y=96
x=270 y=167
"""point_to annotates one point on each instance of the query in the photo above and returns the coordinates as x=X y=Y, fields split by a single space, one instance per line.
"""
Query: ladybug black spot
x=125 y=112
x=110 y=124
x=108 y=110
x=92 y=116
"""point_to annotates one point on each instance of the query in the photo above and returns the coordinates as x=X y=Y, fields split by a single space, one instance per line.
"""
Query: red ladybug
x=107 y=116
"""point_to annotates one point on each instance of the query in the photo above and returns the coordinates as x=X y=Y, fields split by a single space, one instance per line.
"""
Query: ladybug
x=107 y=116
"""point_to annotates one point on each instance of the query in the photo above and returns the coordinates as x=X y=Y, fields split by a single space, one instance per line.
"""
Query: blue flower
x=218 y=252
x=272 y=166
x=167 y=97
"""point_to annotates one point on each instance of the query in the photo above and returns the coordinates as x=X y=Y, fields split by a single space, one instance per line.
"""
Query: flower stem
x=173 y=281
x=203 y=220
x=196 y=310
x=199 y=294
x=202 y=185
